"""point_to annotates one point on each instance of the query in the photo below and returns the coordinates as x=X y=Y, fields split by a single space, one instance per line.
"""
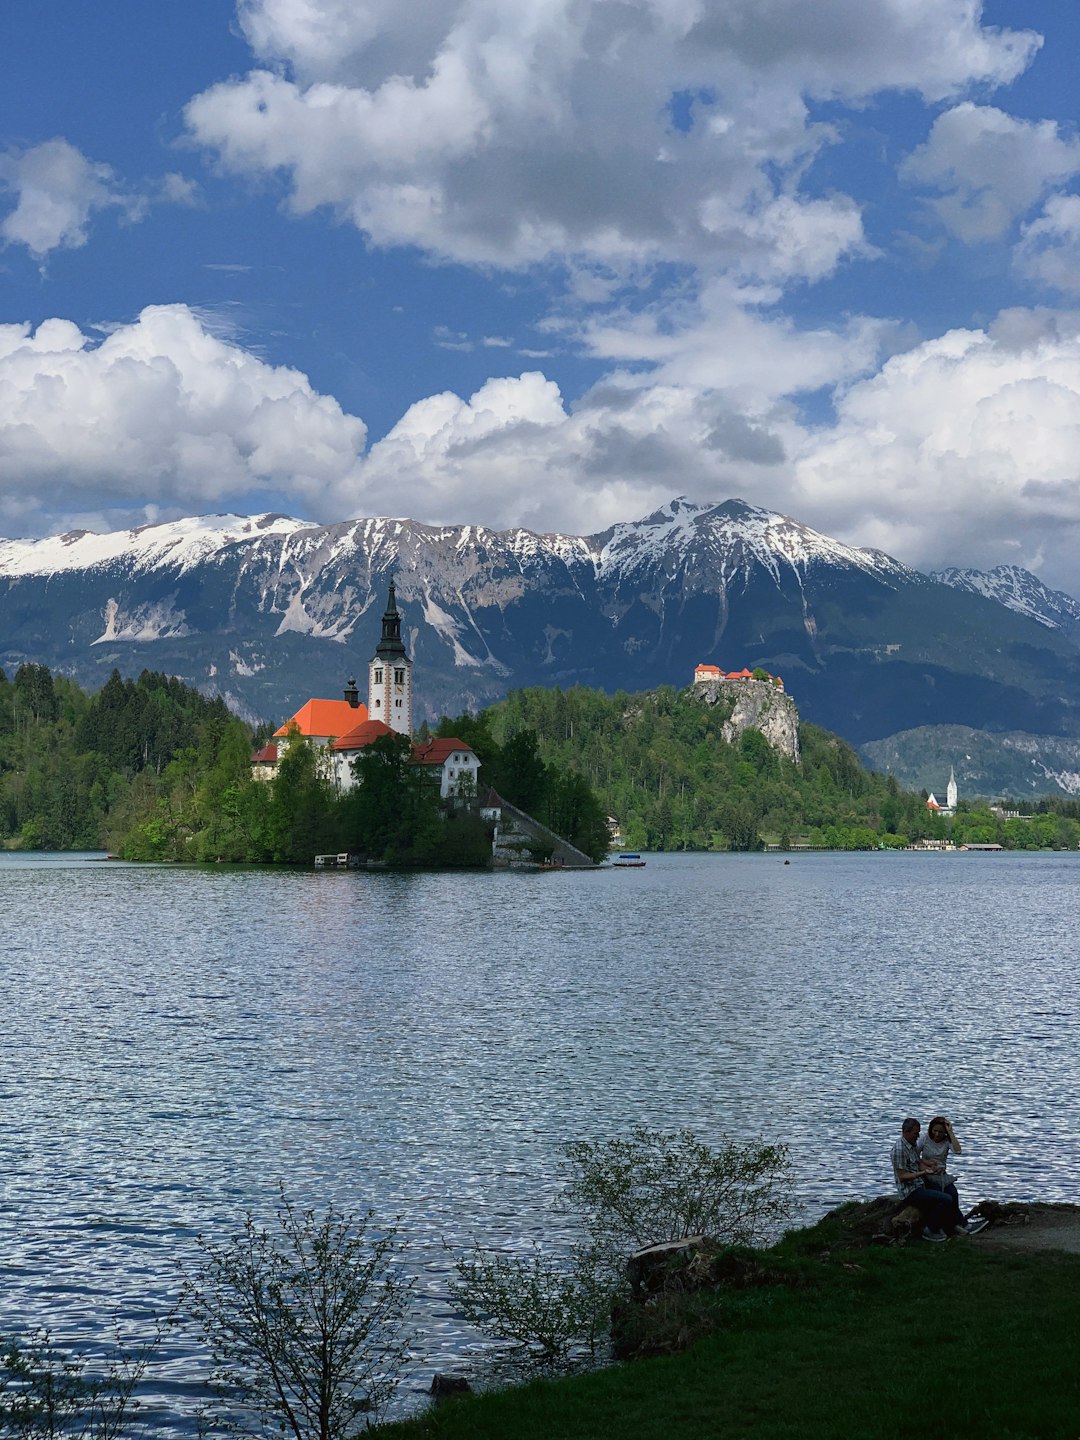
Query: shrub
x=627 y=1194
x=48 y=1390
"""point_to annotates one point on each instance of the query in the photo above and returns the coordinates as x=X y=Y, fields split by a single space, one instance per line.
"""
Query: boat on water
x=628 y=861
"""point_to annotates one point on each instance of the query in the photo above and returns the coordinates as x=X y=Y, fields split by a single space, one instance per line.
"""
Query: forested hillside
x=75 y=769
x=659 y=764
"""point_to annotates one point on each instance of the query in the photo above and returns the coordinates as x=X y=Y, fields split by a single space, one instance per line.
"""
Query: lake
x=179 y=1041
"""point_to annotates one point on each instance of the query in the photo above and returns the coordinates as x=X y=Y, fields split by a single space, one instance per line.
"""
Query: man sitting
x=940 y=1214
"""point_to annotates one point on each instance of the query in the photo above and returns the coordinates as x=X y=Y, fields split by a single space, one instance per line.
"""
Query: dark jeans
x=940 y=1209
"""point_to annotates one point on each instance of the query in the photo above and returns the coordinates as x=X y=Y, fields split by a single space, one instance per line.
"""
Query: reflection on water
x=179 y=1041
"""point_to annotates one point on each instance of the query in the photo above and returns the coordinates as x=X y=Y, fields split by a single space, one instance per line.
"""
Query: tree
x=304 y=1323
x=300 y=808
x=392 y=802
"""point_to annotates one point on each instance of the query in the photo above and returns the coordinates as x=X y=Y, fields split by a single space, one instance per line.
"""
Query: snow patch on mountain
x=159 y=620
x=1019 y=590
x=180 y=544
x=728 y=540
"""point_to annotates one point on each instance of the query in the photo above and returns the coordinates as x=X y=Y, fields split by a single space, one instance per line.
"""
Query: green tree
x=299 y=818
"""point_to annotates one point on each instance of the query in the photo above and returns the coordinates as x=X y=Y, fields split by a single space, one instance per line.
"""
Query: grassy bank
x=953 y=1340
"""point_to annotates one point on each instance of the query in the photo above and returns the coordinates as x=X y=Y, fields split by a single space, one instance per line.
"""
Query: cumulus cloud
x=161 y=410
x=1049 y=248
x=509 y=134
x=989 y=167
x=961 y=450
x=57 y=191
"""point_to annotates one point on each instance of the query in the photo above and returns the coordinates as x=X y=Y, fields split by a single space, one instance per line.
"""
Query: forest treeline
x=152 y=769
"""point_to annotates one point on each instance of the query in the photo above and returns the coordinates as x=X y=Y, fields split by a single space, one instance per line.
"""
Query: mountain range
x=268 y=610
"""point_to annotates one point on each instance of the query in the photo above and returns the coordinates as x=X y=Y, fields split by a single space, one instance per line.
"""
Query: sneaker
x=975 y=1224
x=937 y=1236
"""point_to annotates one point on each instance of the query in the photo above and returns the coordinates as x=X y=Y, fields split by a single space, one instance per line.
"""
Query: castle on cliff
x=710 y=674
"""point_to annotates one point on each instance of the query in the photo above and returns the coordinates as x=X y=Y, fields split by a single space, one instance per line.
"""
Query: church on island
x=341 y=729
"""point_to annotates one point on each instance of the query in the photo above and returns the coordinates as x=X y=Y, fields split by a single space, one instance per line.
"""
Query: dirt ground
x=1029 y=1227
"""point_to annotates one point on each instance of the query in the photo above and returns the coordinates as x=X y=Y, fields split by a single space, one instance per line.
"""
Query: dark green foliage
x=392 y=803
x=557 y=794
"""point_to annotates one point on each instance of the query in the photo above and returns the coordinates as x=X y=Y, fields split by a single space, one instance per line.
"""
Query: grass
x=953 y=1341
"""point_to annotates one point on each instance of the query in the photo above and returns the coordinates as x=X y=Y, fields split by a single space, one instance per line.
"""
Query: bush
x=304 y=1324
x=654 y=1187
x=627 y=1194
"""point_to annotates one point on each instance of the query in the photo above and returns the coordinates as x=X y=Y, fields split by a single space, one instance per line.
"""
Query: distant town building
x=949 y=808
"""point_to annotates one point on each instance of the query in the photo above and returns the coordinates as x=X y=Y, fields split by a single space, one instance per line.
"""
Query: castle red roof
x=266 y=756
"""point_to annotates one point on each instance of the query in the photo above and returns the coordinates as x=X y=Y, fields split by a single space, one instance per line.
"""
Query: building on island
x=390 y=674
x=340 y=729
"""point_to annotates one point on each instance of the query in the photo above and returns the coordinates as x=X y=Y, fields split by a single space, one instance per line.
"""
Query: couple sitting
x=922 y=1178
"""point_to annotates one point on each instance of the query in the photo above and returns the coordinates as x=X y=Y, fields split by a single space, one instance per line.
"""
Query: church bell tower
x=390 y=674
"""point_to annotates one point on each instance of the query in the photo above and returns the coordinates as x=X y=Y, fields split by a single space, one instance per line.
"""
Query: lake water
x=179 y=1041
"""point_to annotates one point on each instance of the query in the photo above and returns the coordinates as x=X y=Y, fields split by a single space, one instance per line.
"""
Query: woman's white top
x=936 y=1150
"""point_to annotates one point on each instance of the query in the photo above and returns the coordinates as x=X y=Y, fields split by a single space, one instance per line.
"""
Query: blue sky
x=546 y=262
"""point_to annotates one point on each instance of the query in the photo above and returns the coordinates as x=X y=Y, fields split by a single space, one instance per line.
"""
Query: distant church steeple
x=950 y=793
x=390 y=674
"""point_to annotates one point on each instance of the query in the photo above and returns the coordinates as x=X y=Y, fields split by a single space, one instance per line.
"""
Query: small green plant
x=304 y=1323
x=550 y=1308
x=49 y=1390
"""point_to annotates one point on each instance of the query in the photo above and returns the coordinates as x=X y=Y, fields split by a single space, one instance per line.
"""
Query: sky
x=546 y=263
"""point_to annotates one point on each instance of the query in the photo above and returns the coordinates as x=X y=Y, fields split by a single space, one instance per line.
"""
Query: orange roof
x=708 y=670
x=266 y=756
x=325 y=717
x=742 y=674
x=437 y=752
x=363 y=734
x=932 y=804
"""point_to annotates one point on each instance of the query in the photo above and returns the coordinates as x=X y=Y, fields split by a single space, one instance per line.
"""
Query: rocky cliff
x=757 y=705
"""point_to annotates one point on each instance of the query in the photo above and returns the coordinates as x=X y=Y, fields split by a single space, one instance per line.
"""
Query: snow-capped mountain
x=1021 y=591
x=269 y=610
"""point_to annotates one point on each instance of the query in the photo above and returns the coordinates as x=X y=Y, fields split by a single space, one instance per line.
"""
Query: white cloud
x=1049 y=248
x=965 y=449
x=990 y=167
x=161 y=410
x=57 y=191
x=491 y=132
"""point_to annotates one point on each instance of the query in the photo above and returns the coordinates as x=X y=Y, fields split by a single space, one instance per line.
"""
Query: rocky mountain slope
x=268 y=610
x=1013 y=763
x=1019 y=590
